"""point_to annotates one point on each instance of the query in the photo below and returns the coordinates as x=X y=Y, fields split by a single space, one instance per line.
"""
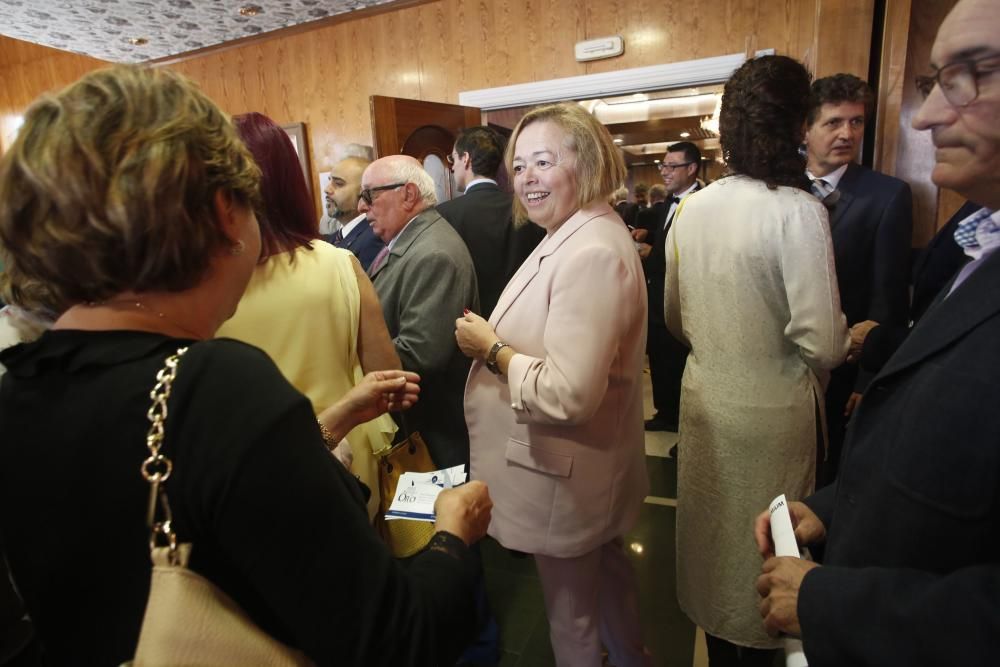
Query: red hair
x=288 y=217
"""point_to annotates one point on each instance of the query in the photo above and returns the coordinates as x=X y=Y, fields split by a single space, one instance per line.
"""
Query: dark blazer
x=423 y=286
x=912 y=565
x=362 y=242
x=871 y=224
x=651 y=219
x=627 y=211
x=934 y=268
x=656 y=267
x=482 y=217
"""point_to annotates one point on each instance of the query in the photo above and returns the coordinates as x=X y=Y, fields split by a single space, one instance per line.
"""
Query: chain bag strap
x=188 y=620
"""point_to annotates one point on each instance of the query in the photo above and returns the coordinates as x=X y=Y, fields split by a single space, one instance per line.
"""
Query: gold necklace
x=140 y=305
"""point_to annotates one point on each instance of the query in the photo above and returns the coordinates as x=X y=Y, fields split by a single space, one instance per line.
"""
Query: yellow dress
x=305 y=315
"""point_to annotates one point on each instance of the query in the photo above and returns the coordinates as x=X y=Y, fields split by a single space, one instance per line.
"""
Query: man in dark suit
x=667 y=355
x=651 y=218
x=912 y=525
x=872 y=342
x=871 y=225
x=354 y=233
x=482 y=215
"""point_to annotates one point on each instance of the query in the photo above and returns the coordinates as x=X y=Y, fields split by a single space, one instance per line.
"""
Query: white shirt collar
x=349 y=227
x=477 y=181
x=833 y=178
x=392 y=241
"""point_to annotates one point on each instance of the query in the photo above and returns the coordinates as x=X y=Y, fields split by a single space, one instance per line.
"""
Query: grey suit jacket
x=424 y=285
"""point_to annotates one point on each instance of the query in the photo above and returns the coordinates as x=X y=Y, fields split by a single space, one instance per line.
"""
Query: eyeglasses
x=959 y=81
x=664 y=165
x=367 y=193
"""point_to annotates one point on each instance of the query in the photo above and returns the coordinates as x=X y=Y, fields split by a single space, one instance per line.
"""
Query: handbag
x=404 y=536
x=189 y=620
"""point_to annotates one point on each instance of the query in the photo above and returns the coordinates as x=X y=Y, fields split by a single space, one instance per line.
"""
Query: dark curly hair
x=837 y=89
x=764 y=106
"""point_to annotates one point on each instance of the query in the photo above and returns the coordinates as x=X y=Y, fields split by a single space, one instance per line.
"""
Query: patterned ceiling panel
x=102 y=28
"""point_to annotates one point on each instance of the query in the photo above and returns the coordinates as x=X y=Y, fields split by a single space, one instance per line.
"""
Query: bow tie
x=673 y=199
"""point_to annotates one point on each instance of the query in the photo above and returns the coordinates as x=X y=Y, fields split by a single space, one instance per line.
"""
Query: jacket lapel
x=845 y=194
x=950 y=318
x=413 y=229
x=529 y=269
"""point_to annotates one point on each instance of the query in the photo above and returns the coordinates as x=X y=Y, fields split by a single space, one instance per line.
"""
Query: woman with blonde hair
x=131 y=197
x=554 y=397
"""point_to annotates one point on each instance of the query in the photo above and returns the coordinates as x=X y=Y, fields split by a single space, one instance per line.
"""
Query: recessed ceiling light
x=685 y=135
x=656 y=162
x=251 y=10
x=619 y=141
x=138 y=41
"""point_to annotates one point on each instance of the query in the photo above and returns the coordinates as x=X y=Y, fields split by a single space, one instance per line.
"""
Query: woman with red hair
x=309 y=305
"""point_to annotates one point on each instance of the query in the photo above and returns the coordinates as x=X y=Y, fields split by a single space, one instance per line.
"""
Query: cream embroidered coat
x=751 y=287
x=560 y=439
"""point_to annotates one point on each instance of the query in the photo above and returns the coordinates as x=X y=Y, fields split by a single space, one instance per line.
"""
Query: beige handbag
x=188 y=620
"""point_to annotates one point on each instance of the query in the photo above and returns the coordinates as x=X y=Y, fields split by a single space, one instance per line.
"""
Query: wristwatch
x=491 y=358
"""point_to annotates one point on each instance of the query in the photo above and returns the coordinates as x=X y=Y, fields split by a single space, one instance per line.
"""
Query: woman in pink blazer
x=554 y=397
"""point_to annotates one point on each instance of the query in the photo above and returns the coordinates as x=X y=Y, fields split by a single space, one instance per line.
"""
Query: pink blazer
x=560 y=439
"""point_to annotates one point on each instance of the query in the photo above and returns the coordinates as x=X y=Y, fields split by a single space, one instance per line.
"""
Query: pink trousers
x=593 y=600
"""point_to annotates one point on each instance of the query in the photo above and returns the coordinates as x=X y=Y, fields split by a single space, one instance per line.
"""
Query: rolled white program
x=783 y=535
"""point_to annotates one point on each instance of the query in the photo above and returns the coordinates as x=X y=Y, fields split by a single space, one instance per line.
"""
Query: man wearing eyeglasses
x=912 y=525
x=871 y=222
x=342 y=196
x=482 y=215
x=667 y=356
x=424 y=279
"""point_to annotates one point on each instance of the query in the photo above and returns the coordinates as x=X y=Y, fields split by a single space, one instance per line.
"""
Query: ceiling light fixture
x=251 y=10
x=619 y=141
x=138 y=41
x=685 y=135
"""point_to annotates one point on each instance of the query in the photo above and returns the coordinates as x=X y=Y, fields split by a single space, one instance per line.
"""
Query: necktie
x=378 y=261
x=821 y=188
x=338 y=237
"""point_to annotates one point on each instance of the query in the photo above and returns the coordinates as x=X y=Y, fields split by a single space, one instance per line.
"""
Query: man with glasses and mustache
x=912 y=525
x=667 y=355
x=424 y=278
x=871 y=221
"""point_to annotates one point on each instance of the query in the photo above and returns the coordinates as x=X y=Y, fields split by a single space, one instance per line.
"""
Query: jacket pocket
x=535 y=458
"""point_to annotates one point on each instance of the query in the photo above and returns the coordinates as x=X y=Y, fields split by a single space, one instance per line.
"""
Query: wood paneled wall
x=432 y=51
x=26 y=71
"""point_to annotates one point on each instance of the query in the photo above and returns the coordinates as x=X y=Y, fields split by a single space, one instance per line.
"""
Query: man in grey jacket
x=424 y=278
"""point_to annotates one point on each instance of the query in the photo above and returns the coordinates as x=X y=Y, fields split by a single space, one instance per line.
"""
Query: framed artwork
x=297 y=133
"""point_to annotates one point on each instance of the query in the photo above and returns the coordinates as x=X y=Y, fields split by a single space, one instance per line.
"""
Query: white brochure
x=785 y=545
x=417 y=491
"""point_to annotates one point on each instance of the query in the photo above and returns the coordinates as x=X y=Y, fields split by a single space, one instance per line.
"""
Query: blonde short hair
x=110 y=186
x=600 y=169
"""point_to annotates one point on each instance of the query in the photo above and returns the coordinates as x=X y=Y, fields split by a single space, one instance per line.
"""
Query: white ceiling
x=102 y=28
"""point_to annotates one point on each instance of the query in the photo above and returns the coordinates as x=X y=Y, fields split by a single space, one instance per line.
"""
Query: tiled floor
x=516 y=596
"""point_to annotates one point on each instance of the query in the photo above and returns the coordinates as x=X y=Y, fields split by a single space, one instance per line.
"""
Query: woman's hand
x=464 y=511
x=475 y=336
x=377 y=393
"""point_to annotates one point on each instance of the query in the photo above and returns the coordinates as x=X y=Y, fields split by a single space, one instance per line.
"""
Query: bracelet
x=491 y=358
x=328 y=438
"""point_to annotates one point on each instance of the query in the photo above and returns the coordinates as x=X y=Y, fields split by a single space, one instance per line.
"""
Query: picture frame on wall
x=297 y=133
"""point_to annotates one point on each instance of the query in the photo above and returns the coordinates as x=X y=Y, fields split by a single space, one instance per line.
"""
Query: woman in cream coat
x=554 y=400
x=751 y=288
